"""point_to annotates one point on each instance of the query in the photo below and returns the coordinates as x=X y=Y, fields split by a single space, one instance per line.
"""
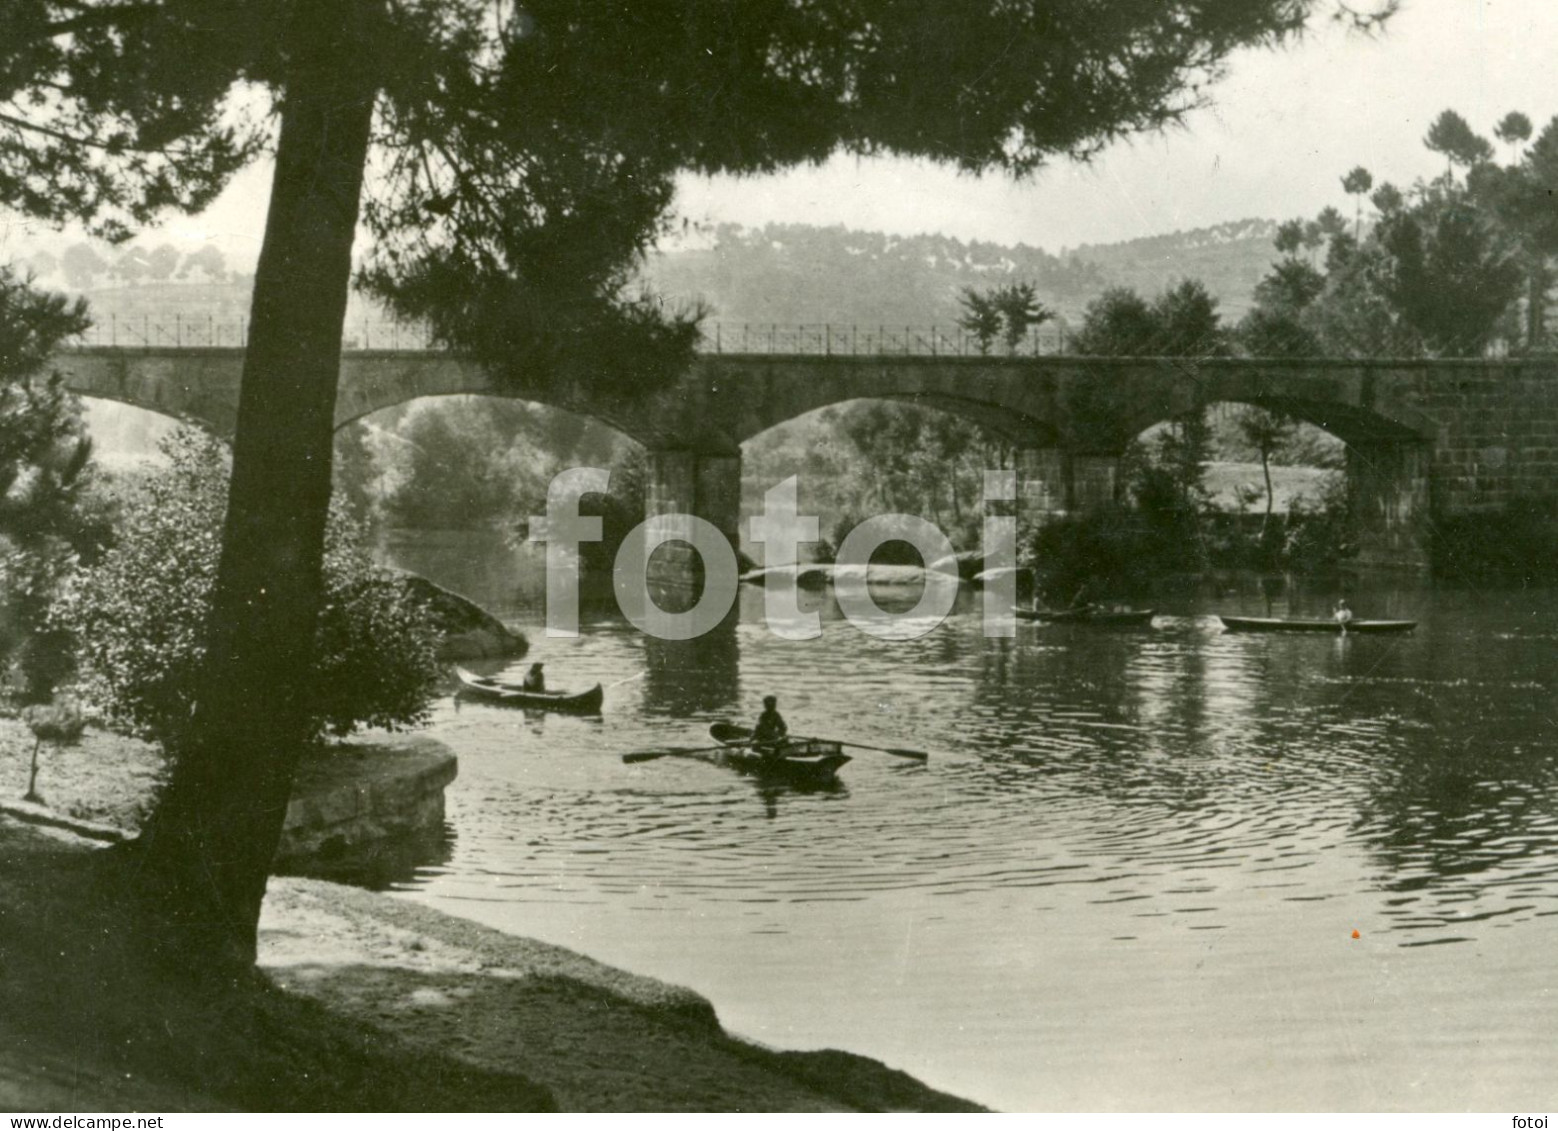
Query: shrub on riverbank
x=137 y=617
x=1126 y=547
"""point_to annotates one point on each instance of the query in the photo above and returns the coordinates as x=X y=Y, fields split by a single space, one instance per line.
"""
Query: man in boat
x=534 y=680
x=1342 y=614
x=768 y=735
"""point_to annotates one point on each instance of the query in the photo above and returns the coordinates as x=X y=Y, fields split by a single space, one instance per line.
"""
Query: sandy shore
x=366 y=1002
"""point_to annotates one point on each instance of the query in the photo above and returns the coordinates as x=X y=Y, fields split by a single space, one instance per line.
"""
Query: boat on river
x=799 y=761
x=1099 y=615
x=491 y=690
x=1314 y=624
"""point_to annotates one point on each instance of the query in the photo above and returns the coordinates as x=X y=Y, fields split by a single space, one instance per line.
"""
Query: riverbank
x=362 y=1001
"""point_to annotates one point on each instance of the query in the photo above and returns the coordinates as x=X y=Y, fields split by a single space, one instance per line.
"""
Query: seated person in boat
x=1342 y=614
x=770 y=729
x=534 y=680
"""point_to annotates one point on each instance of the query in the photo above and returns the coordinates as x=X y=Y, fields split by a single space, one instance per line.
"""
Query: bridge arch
x=1341 y=399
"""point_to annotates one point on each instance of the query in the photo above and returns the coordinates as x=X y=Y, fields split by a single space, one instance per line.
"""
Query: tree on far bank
x=161 y=262
x=82 y=265
x=1182 y=321
x=1513 y=129
x=980 y=318
x=1118 y=323
x=1020 y=311
x=1355 y=184
x=1451 y=135
x=524 y=156
x=1265 y=431
x=208 y=260
x=1008 y=312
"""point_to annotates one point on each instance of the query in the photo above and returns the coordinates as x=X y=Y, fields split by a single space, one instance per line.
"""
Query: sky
x=1283 y=129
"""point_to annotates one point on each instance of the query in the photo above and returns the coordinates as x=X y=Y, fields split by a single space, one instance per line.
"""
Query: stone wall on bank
x=362 y=797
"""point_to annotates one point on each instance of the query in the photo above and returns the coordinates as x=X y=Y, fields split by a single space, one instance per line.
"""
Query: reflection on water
x=1128 y=876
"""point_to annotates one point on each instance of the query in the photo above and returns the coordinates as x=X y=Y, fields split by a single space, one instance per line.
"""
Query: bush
x=1320 y=538
x=138 y=616
x=1108 y=550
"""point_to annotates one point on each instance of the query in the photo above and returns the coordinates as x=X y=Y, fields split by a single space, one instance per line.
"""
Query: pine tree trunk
x=209 y=846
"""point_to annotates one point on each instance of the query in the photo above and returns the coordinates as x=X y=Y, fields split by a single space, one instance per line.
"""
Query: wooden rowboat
x=491 y=690
x=800 y=761
x=1089 y=614
x=1314 y=624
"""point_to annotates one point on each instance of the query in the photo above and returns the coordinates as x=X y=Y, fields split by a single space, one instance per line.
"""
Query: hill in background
x=797 y=274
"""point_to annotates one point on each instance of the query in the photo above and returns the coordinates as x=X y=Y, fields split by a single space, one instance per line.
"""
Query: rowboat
x=491 y=690
x=1313 y=624
x=1089 y=614
x=800 y=761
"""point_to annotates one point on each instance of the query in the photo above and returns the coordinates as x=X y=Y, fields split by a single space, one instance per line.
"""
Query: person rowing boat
x=769 y=734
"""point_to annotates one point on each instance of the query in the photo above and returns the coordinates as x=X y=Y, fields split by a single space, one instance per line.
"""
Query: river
x=1154 y=870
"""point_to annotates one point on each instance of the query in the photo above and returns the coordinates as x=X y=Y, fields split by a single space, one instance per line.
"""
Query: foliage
x=1441 y=273
x=1319 y=537
x=1021 y=311
x=1102 y=551
x=1451 y=135
x=1118 y=323
x=980 y=317
x=904 y=459
x=1274 y=326
x=48 y=515
x=1357 y=182
x=1450 y=275
x=1181 y=322
x=878 y=457
x=1007 y=311
x=137 y=615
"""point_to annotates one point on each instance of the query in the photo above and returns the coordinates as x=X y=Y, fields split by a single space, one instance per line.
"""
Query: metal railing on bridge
x=209 y=332
x=178 y=331
x=854 y=339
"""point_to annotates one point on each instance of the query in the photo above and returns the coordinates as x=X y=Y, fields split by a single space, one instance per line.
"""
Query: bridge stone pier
x=1426 y=439
x=706 y=485
x=1052 y=482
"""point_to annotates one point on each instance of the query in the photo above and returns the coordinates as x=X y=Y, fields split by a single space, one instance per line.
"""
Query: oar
x=895 y=751
x=678 y=752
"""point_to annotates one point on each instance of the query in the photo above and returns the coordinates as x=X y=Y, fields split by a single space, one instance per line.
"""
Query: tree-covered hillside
x=797 y=273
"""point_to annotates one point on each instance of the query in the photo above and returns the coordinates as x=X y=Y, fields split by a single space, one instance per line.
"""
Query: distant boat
x=1090 y=614
x=802 y=761
x=492 y=690
x=1314 y=624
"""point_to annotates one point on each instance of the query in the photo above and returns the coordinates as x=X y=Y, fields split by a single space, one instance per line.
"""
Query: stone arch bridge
x=1425 y=439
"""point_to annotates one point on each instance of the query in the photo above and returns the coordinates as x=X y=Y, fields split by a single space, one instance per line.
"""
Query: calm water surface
x=1129 y=876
